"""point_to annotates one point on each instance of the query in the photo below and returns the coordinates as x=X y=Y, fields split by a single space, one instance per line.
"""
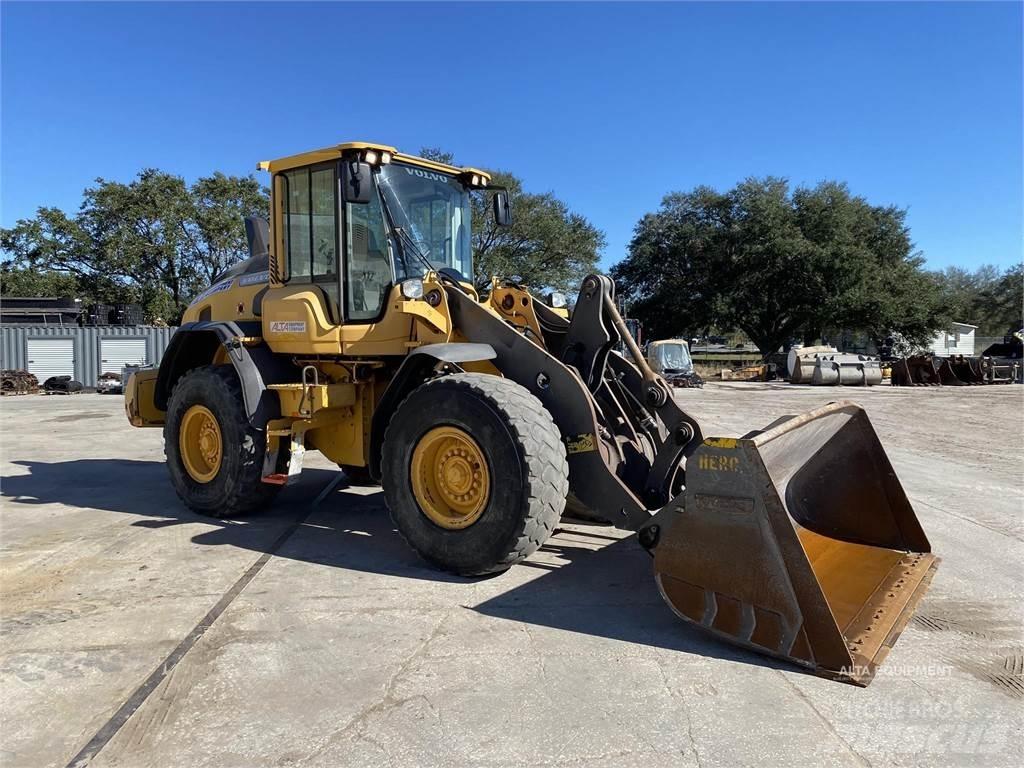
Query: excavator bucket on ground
x=956 y=371
x=967 y=369
x=797 y=541
x=915 y=371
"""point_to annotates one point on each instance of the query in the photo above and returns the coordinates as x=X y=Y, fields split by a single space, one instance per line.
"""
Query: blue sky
x=610 y=106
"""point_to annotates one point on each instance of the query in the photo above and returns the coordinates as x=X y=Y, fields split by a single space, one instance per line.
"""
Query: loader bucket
x=797 y=541
x=967 y=369
x=947 y=373
x=914 y=371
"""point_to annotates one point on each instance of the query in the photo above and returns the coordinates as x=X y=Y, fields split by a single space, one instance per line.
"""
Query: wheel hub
x=200 y=443
x=450 y=477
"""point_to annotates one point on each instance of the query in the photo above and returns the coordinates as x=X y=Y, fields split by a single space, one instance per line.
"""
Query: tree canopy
x=20 y=281
x=155 y=241
x=773 y=262
x=548 y=246
x=777 y=264
x=989 y=298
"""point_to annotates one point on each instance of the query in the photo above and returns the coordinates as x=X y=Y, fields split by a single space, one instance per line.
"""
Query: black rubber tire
x=527 y=464
x=237 y=488
x=358 y=476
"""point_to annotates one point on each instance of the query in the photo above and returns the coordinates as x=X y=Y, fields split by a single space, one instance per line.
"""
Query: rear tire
x=525 y=473
x=235 y=486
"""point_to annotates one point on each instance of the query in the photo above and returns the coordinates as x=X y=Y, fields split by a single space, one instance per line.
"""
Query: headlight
x=412 y=289
x=371 y=157
x=385 y=158
x=556 y=300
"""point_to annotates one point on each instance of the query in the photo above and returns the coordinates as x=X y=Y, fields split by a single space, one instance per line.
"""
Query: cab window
x=311 y=227
x=368 y=272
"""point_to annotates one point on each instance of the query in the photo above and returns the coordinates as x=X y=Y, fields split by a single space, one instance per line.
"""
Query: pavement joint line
x=124 y=713
x=965 y=519
x=332 y=484
x=829 y=726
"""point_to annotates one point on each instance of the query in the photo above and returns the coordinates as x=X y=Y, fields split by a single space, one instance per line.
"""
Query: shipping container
x=83 y=353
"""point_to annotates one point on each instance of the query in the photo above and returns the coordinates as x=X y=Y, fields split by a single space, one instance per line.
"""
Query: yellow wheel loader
x=355 y=330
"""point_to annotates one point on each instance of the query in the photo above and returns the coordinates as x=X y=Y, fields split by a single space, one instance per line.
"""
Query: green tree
x=54 y=244
x=548 y=246
x=155 y=240
x=1006 y=303
x=987 y=297
x=15 y=281
x=777 y=264
x=671 y=288
x=216 y=234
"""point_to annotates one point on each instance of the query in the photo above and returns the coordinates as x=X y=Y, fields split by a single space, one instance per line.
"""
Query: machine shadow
x=593 y=582
x=608 y=592
x=335 y=533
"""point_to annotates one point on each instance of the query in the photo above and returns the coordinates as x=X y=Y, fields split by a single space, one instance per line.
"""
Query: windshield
x=433 y=210
x=674 y=357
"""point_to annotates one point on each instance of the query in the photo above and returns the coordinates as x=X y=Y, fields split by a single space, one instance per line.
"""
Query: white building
x=958 y=340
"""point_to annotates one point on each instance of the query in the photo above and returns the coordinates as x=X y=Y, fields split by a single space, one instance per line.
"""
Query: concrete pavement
x=311 y=636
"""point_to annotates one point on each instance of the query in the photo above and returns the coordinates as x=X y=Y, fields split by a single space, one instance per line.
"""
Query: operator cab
x=353 y=221
x=670 y=357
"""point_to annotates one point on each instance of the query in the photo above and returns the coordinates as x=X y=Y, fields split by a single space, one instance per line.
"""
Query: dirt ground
x=135 y=633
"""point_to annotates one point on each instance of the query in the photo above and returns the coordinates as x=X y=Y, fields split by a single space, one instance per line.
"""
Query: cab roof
x=669 y=341
x=335 y=152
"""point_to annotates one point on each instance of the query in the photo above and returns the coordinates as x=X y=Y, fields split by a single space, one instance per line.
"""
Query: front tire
x=214 y=454
x=474 y=473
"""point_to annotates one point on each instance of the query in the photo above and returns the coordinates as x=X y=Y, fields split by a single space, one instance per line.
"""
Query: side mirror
x=356 y=181
x=502 y=211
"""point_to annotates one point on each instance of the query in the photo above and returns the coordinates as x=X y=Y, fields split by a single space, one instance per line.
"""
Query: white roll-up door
x=115 y=354
x=50 y=357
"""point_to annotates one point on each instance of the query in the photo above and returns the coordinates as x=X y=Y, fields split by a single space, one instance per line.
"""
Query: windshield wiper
x=413 y=247
x=408 y=245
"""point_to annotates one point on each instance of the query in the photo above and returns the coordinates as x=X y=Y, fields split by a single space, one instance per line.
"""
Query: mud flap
x=797 y=541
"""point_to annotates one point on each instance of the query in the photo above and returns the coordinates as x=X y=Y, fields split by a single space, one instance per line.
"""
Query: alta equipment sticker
x=290 y=326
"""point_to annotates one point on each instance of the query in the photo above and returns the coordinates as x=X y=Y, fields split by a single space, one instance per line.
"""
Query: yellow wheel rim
x=450 y=477
x=200 y=443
